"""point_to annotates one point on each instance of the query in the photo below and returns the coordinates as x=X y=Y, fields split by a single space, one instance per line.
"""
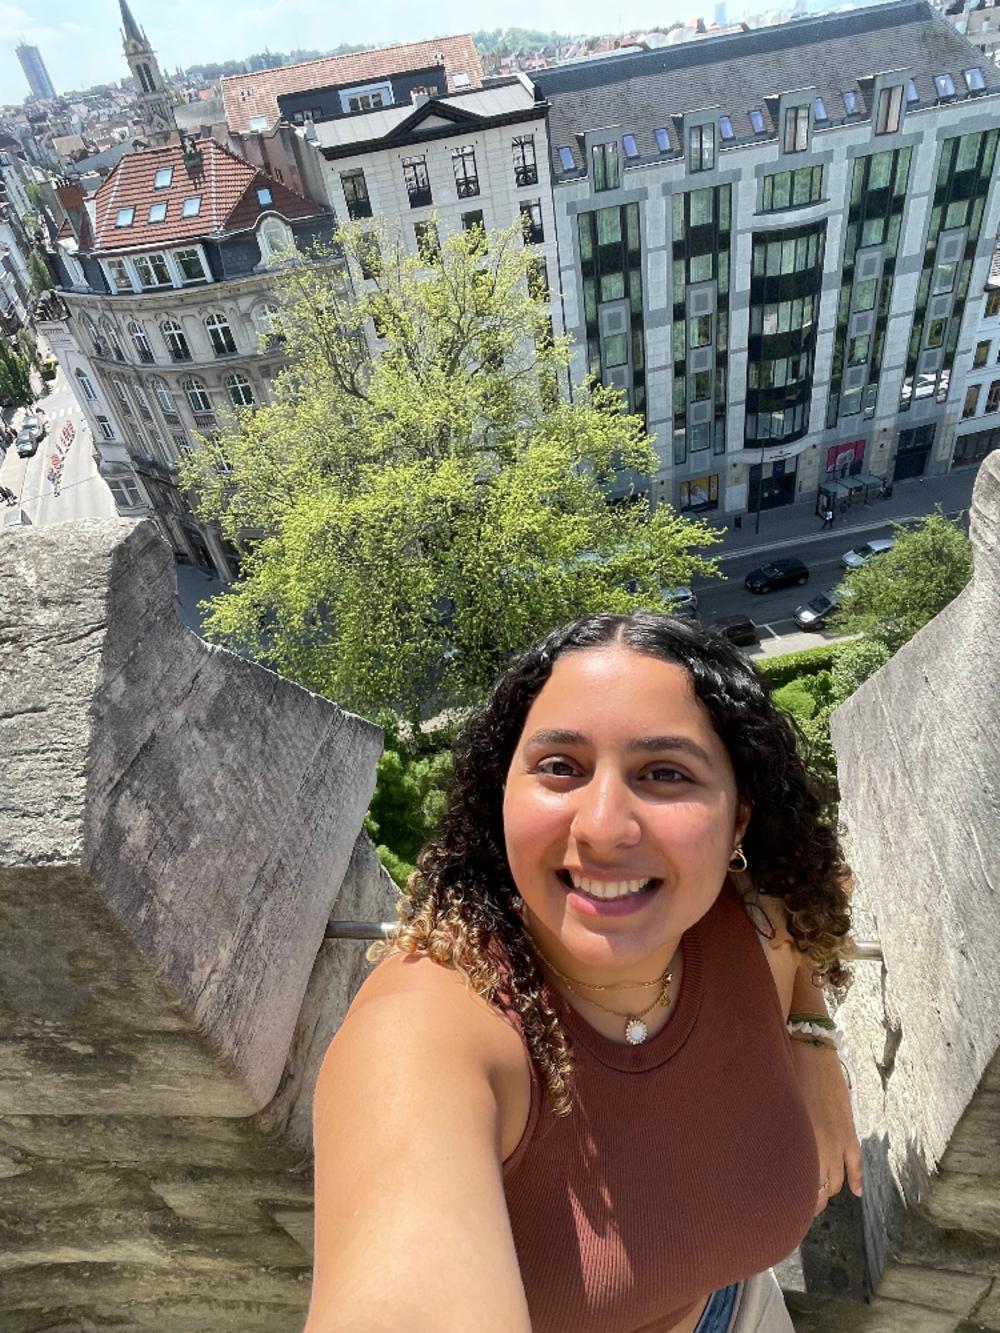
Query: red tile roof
x=226 y=185
x=247 y=95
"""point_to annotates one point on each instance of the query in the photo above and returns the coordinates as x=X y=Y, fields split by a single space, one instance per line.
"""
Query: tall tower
x=35 y=71
x=155 y=105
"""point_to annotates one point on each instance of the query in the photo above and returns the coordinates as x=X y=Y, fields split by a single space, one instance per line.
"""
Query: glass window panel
x=968 y=152
x=612 y=286
x=616 y=350
x=957 y=213
x=773 y=258
x=663 y=141
x=700 y=330
x=586 y=237
x=701 y=207
x=700 y=268
x=782 y=191
x=935 y=332
x=864 y=294
x=788 y=256
x=609 y=225
x=873 y=232
x=981 y=354
x=725 y=203
x=880 y=171
x=857 y=352
x=756 y=120
x=944 y=278
x=701 y=386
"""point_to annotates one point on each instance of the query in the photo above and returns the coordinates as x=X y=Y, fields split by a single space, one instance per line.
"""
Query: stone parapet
x=918 y=751
x=178 y=826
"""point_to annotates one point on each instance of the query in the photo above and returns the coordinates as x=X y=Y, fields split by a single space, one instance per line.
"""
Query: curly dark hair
x=459 y=905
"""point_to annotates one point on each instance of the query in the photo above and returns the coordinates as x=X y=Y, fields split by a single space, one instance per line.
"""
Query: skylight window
x=460 y=80
x=157 y=212
x=192 y=206
x=726 y=127
x=258 y=123
x=663 y=141
x=945 y=85
x=566 y=158
x=974 y=80
x=850 y=101
x=756 y=120
x=163 y=178
x=911 y=91
x=628 y=143
x=263 y=196
x=125 y=217
x=819 y=107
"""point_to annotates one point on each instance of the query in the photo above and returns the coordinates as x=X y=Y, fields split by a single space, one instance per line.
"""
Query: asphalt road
x=773 y=612
x=60 y=482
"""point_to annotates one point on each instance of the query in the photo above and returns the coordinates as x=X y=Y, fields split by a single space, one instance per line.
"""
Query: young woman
x=567 y=1100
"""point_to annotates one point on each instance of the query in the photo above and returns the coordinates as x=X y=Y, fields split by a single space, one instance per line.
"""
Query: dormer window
x=264 y=196
x=629 y=145
x=819 y=109
x=192 y=206
x=663 y=141
x=163 y=177
x=890 y=110
x=850 y=101
x=726 y=127
x=756 y=120
x=911 y=91
x=945 y=85
x=566 y=158
x=125 y=217
x=974 y=80
x=796 y=136
x=158 y=211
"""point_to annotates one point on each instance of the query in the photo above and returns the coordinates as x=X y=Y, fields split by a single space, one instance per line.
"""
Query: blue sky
x=80 y=44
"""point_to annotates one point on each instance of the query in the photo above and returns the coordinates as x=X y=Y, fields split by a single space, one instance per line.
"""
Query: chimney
x=421 y=96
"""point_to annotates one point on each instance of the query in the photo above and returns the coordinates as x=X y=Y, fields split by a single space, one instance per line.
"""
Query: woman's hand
x=824 y=1088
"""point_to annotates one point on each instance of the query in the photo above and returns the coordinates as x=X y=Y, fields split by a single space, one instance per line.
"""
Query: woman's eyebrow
x=645 y=744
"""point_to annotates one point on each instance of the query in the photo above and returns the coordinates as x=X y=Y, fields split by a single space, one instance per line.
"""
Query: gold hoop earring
x=741 y=865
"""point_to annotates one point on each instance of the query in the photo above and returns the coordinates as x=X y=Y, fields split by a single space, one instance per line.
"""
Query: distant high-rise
x=35 y=71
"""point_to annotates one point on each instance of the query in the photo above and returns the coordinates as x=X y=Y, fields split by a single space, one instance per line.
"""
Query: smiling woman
x=575 y=1050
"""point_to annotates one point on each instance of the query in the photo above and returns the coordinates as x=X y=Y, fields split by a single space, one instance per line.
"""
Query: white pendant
x=636 y=1032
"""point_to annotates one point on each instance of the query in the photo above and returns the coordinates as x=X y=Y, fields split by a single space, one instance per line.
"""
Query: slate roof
x=257 y=94
x=227 y=187
x=737 y=72
x=504 y=99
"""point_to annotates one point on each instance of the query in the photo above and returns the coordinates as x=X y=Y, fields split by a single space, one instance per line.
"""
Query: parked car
x=739 y=630
x=681 y=601
x=30 y=422
x=813 y=615
x=26 y=444
x=860 y=555
x=777 y=574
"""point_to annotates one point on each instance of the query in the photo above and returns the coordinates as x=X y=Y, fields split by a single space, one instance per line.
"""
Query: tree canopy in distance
x=423 y=501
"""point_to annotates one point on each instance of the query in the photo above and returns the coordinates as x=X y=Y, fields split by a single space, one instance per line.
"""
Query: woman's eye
x=556 y=768
x=665 y=774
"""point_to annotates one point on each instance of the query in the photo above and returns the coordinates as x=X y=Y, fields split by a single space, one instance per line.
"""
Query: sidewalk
x=794 y=525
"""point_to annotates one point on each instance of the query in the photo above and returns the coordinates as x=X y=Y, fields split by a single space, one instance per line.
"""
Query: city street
x=60 y=482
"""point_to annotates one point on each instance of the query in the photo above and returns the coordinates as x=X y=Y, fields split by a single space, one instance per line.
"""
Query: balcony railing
x=204 y=420
x=527 y=175
x=359 y=208
x=468 y=187
x=421 y=198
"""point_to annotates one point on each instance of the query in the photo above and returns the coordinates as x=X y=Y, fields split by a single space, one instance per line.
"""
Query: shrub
x=778 y=671
x=796 y=699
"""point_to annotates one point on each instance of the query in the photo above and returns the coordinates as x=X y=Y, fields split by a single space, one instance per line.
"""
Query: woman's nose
x=605 y=816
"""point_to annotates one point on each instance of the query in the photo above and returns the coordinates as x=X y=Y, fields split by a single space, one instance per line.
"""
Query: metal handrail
x=864 y=951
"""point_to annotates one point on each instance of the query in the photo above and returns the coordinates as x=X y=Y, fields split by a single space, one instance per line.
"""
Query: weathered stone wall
x=176 y=827
x=918 y=750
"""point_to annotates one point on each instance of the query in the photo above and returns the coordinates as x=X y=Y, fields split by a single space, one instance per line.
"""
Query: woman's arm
x=412 y=1230
x=824 y=1087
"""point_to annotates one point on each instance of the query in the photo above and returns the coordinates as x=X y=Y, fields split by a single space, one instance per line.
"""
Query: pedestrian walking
x=828 y=518
x=7 y=495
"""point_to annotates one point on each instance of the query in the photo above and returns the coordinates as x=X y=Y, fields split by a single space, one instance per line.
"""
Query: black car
x=739 y=630
x=777 y=574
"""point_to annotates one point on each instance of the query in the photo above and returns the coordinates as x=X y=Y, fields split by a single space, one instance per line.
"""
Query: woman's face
x=620 y=811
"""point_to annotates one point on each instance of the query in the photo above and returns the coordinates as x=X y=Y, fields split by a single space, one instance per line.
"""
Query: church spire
x=156 y=107
x=130 y=28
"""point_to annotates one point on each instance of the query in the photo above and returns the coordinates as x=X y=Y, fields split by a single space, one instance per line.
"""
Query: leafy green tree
x=421 y=514
x=896 y=594
x=854 y=664
x=15 y=380
x=38 y=273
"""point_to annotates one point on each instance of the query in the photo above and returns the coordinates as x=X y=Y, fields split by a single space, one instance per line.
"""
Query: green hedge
x=779 y=671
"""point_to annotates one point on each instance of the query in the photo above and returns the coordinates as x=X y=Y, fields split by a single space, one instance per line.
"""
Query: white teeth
x=598 y=888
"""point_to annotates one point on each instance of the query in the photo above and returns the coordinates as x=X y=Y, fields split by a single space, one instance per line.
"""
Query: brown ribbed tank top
x=686 y=1164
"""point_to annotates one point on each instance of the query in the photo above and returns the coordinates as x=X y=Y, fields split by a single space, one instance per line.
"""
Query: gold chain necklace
x=636 y=1031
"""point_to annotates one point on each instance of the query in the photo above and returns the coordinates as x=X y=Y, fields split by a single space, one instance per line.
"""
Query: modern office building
x=35 y=71
x=776 y=243
x=167 y=298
